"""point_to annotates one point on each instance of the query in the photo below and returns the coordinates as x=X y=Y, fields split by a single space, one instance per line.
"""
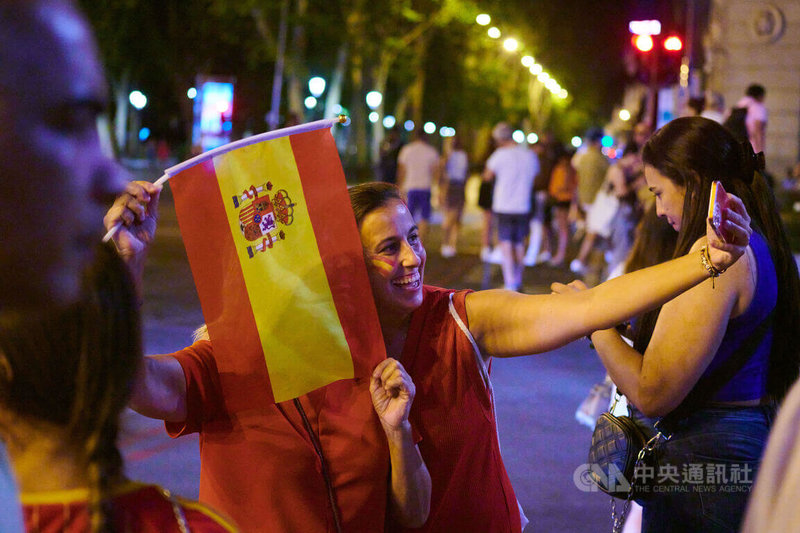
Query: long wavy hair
x=74 y=368
x=693 y=152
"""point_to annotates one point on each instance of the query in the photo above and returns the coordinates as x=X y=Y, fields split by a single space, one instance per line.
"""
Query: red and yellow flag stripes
x=277 y=261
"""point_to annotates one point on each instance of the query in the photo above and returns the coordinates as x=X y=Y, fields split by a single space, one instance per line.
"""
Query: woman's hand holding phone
x=728 y=227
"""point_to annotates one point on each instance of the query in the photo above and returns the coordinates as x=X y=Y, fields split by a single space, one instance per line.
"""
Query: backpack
x=735 y=123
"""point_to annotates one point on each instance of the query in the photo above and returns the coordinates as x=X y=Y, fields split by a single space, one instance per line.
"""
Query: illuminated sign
x=213 y=112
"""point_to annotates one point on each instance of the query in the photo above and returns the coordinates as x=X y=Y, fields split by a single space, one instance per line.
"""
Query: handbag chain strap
x=618 y=521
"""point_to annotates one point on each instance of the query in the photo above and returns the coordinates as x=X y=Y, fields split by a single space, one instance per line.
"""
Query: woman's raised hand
x=736 y=228
x=392 y=393
x=136 y=210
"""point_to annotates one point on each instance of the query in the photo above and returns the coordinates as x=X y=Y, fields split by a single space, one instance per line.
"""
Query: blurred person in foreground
x=65 y=377
x=733 y=338
x=54 y=179
x=445 y=339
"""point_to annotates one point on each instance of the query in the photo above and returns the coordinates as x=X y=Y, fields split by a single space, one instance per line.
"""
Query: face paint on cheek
x=383 y=264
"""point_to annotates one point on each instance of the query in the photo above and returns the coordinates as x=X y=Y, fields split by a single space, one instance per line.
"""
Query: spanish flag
x=277 y=260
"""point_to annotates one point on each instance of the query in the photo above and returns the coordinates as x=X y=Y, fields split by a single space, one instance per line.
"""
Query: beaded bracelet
x=713 y=271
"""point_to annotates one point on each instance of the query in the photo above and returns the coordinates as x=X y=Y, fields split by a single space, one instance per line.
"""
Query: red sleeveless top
x=453 y=415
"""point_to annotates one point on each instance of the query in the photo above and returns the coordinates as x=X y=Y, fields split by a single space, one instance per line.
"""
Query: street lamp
x=374 y=99
x=316 y=86
x=137 y=99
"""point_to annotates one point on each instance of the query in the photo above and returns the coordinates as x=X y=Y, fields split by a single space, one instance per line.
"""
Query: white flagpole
x=274 y=134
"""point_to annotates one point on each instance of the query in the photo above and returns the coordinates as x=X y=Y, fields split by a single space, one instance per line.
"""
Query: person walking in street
x=451 y=191
x=417 y=170
x=591 y=166
x=513 y=168
x=562 y=188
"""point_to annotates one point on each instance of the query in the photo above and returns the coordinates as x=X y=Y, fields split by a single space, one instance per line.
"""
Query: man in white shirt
x=513 y=167
x=417 y=168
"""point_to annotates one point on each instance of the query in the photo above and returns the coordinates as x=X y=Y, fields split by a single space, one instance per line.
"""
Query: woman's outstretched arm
x=510 y=324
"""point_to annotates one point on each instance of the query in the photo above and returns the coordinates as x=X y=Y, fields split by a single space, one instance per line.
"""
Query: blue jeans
x=710 y=462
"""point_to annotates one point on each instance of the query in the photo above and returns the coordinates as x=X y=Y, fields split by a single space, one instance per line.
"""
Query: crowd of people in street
x=414 y=446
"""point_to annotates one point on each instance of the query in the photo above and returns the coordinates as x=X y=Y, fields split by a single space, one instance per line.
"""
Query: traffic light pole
x=653 y=89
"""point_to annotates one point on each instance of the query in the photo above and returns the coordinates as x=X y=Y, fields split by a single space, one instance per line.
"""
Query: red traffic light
x=643 y=43
x=673 y=43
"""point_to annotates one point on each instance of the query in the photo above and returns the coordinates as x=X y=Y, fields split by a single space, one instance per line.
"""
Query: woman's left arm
x=410 y=486
x=510 y=324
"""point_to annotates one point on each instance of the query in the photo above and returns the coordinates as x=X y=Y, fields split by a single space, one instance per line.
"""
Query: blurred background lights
x=643 y=43
x=447 y=131
x=373 y=117
x=429 y=127
x=576 y=141
x=563 y=94
x=316 y=86
x=191 y=93
x=673 y=43
x=518 y=136
x=533 y=138
x=374 y=99
x=408 y=125
x=337 y=109
x=137 y=99
x=543 y=77
x=527 y=61
x=310 y=102
x=389 y=121
x=483 y=19
x=624 y=115
x=144 y=134
x=536 y=69
x=511 y=44
x=607 y=141
x=494 y=32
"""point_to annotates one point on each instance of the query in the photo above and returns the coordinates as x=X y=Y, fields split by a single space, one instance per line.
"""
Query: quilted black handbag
x=616 y=444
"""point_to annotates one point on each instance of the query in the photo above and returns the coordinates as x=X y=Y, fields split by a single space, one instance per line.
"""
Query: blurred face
x=395 y=259
x=55 y=182
x=669 y=197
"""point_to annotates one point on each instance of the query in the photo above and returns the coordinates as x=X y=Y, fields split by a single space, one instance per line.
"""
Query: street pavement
x=536 y=396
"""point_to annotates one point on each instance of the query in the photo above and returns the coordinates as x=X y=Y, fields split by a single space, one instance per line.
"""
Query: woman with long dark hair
x=713 y=362
x=65 y=376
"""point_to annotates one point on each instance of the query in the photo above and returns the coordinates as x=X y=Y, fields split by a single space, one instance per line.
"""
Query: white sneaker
x=577 y=267
x=531 y=259
x=496 y=257
x=448 y=251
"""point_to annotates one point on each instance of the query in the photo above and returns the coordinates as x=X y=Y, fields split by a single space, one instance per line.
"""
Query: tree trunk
x=297 y=71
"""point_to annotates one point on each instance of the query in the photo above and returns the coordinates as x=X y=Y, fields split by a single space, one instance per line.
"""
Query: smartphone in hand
x=717 y=204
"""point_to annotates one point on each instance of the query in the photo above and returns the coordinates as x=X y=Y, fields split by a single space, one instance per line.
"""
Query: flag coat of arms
x=278 y=265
